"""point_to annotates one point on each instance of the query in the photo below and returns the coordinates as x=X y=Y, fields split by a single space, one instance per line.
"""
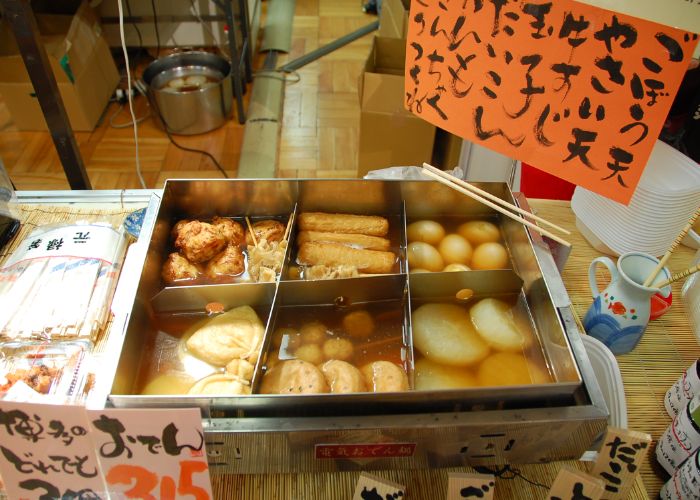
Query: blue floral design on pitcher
x=607 y=329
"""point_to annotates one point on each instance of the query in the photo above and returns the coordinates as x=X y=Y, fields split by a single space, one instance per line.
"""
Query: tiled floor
x=319 y=130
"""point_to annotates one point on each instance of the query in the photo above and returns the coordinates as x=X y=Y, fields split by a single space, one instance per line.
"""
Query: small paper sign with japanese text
x=46 y=452
x=572 y=89
x=152 y=453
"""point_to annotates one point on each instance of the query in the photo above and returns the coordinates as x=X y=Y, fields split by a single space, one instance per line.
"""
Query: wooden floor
x=319 y=133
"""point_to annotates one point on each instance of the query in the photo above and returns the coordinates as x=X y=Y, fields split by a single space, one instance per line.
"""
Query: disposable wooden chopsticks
x=252 y=233
x=679 y=276
x=674 y=245
x=449 y=182
x=493 y=198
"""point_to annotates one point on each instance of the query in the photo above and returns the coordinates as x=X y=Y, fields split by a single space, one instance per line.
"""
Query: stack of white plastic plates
x=666 y=197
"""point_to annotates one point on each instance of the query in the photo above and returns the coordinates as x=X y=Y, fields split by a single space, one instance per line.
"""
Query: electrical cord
x=127 y=124
x=131 y=98
x=136 y=27
x=155 y=25
x=270 y=74
x=154 y=105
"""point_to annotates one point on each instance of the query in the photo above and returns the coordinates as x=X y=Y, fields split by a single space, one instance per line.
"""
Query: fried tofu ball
x=176 y=228
x=293 y=377
x=342 y=377
x=270 y=230
x=358 y=324
x=230 y=229
x=313 y=333
x=230 y=262
x=177 y=268
x=310 y=352
x=338 y=348
x=199 y=241
x=384 y=376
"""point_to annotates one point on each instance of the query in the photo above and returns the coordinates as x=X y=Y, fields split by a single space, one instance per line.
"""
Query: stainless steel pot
x=191 y=91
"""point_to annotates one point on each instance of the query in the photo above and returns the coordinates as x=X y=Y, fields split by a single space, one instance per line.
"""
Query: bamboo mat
x=668 y=345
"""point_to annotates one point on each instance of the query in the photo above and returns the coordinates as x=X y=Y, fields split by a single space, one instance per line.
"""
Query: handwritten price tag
x=46 y=452
x=152 y=454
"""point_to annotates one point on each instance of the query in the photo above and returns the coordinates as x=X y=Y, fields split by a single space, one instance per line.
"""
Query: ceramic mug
x=620 y=313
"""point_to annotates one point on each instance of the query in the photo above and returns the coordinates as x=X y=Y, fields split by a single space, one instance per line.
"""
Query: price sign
x=152 y=454
x=46 y=452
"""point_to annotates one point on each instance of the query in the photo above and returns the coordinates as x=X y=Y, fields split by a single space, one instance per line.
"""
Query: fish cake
x=342 y=377
x=294 y=377
x=385 y=376
x=352 y=240
x=372 y=225
x=334 y=254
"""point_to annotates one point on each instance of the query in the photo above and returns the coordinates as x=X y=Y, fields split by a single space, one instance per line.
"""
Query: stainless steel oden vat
x=262 y=433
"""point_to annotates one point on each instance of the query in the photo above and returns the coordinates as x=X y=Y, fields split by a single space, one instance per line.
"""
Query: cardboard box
x=393 y=18
x=81 y=62
x=390 y=135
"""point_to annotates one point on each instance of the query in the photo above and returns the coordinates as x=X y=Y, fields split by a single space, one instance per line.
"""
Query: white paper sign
x=87 y=241
x=152 y=453
x=46 y=452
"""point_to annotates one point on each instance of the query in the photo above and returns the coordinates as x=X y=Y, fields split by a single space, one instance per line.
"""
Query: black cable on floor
x=155 y=25
x=154 y=105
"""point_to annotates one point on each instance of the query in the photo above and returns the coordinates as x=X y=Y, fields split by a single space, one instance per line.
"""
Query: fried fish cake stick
x=335 y=254
x=353 y=240
x=372 y=225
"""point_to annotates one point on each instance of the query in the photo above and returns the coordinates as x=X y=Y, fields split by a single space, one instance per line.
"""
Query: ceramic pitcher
x=620 y=313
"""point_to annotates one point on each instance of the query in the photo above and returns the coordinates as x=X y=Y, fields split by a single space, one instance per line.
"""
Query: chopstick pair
x=650 y=279
x=496 y=203
x=679 y=276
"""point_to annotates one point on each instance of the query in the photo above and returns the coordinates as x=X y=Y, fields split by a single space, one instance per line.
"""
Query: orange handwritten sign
x=575 y=90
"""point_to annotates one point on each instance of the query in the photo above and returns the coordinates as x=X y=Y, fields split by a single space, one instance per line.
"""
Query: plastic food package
x=35 y=371
x=58 y=284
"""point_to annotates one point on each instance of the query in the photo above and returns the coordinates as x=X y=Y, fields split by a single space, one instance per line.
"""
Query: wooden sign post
x=371 y=487
x=619 y=460
x=571 y=483
x=461 y=485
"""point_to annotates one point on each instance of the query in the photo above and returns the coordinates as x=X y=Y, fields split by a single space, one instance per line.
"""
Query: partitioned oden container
x=259 y=433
